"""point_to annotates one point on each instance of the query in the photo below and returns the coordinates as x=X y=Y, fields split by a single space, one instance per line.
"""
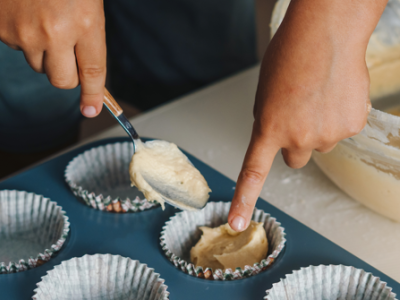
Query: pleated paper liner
x=330 y=283
x=101 y=277
x=100 y=178
x=32 y=230
x=182 y=232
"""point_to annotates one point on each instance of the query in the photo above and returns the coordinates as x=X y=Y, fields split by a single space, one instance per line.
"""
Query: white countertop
x=214 y=124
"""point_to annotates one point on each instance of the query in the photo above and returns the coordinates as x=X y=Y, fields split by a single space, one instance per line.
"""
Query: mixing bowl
x=367 y=166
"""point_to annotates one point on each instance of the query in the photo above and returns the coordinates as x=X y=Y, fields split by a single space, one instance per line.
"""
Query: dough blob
x=162 y=162
x=223 y=248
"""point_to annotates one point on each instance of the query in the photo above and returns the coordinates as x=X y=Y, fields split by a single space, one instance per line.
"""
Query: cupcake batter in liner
x=182 y=232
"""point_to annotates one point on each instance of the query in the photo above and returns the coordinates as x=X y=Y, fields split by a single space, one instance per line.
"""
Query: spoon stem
x=117 y=112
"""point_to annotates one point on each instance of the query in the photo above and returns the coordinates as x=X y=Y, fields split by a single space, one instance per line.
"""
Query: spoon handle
x=117 y=112
x=111 y=104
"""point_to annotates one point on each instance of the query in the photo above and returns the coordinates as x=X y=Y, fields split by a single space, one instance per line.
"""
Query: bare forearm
x=346 y=23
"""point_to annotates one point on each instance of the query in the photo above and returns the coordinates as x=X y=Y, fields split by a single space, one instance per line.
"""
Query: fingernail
x=89 y=111
x=238 y=223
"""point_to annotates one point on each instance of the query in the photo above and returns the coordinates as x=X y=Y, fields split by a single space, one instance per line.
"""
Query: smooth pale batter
x=162 y=162
x=223 y=248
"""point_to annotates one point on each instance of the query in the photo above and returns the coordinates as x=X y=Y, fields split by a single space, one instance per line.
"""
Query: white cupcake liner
x=101 y=277
x=100 y=177
x=182 y=232
x=32 y=230
x=330 y=283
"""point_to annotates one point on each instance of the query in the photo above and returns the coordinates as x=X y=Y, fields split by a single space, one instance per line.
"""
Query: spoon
x=169 y=194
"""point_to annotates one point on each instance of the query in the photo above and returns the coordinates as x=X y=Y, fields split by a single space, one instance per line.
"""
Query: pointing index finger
x=257 y=163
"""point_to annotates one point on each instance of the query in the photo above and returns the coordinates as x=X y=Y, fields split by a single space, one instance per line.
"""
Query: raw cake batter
x=162 y=162
x=223 y=248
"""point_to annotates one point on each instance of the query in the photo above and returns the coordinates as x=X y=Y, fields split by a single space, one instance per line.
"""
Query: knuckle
x=325 y=140
x=87 y=22
x=24 y=39
x=62 y=83
x=298 y=143
x=52 y=29
x=356 y=128
x=91 y=21
x=301 y=140
x=252 y=176
x=18 y=36
x=92 y=72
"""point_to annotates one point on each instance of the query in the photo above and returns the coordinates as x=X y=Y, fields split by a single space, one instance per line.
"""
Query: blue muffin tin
x=136 y=235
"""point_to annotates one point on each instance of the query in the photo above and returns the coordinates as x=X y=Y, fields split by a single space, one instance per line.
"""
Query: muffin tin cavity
x=182 y=232
x=32 y=230
x=101 y=277
x=330 y=283
x=100 y=177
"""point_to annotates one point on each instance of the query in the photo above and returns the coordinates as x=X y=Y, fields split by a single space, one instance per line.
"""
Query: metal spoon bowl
x=172 y=196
